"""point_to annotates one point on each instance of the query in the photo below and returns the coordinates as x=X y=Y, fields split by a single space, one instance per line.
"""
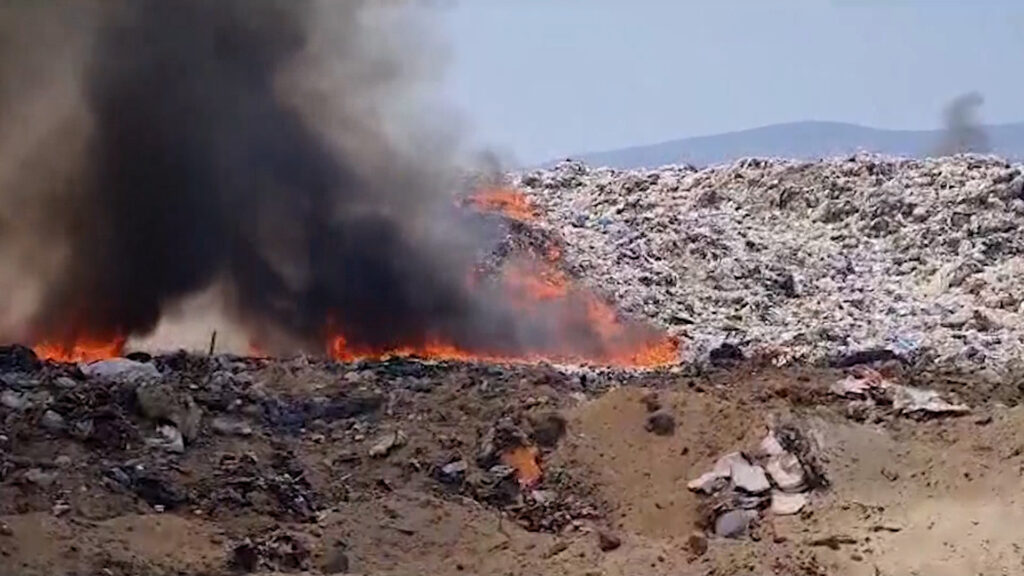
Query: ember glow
x=80 y=350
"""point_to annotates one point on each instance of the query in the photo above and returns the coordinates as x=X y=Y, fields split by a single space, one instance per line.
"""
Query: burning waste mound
x=829 y=261
x=254 y=146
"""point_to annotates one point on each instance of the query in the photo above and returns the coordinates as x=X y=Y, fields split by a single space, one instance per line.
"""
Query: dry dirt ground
x=277 y=475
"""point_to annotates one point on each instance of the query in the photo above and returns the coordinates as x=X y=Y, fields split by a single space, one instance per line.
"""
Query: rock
x=39 y=478
x=708 y=483
x=651 y=401
x=17 y=358
x=121 y=370
x=787 y=472
x=661 y=424
x=162 y=403
x=336 y=562
x=65 y=383
x=734 y=523
x=607 y=541
x=12 y=400
x=770 y=446
x=226 y=426
x=170 y=439
x=548 y=428
x=749 y=478
x=908 y=400
x=453 y=472
x=726 y=354
x=52 y=421
x=63 y=461
x=386 y=443
x=697 y=543
x=784 y=504
x=5 y=529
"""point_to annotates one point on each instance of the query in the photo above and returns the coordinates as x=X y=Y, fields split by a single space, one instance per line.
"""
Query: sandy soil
x=930 y=497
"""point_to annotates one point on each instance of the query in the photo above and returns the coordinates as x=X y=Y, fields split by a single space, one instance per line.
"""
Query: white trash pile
x=739 y=485
x=806 y=260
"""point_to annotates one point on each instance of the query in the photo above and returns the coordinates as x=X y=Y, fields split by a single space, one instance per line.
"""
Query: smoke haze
x=254 y=144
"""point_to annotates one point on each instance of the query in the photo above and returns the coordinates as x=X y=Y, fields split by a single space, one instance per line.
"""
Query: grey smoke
x=963 y=130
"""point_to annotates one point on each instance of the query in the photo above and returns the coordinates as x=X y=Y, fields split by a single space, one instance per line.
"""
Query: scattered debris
x=607 y=541
x=227 y=426
x=734 y=523
x=661 y=423
x=651 y=401
x=337 y=561
x=784 y=504
x=834 y=542
x=13 y=400
x=907 y=400
x=52 y=421
x=787 y=472
x=749 y=478
x=170 y=439
x=388 y=442
x=697 y=543
x=121 y=370
x=277 y=551
x=548 y=428
x=453 y=472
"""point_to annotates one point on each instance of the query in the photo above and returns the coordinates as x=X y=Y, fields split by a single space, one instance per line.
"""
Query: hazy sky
x=546 y=78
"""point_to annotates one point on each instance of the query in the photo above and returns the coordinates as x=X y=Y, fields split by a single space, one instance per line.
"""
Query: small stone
x=453 y=472
x=170 y=439
x=697 y=543
x=39 y=478
x=749 y=478
x=708 y=483
x=63 y=461
x=787 y=472
x=226 y=426
x=734 y=523
x=386 y=443
x=784 y=504
x=651 y=401
x=13 y=400
x=5 y=529
x=548 y=428
x=661 y=423
x=770 y=446
x=607 y=541
x=121 y=370
x=337 y=562
x=65 y=383
x=52 y=421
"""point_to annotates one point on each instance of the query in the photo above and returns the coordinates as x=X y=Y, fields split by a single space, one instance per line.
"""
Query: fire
x=537 y=288
x=81 y=350
x=524 y=459
x=512 y=203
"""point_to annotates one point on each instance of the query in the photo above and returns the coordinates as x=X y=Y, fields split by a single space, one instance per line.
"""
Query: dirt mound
x=387 y=468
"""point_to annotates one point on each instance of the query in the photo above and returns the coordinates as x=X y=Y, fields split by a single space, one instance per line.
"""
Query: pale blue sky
x=546 y=78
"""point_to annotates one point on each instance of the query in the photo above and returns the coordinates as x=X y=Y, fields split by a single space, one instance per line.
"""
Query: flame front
x=536 y=288
x=87 y=349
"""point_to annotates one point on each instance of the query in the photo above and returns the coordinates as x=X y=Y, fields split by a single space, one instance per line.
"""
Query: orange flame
x=524 y=459
x=512 y=203
x=536 y=287
x=80 y=350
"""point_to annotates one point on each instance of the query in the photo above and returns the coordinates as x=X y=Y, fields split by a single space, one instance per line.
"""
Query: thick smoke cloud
x=246 y=143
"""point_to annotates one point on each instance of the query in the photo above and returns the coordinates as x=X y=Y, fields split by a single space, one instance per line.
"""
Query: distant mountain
x=800 y=140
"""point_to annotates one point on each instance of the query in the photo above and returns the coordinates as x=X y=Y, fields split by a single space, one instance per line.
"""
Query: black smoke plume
x=247 y=144
x=198 y=169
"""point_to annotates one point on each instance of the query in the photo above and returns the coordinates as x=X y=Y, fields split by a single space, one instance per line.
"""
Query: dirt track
x=938 y=496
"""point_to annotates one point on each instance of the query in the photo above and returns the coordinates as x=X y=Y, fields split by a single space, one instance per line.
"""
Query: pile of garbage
x=806 y=260
x=777 y=476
